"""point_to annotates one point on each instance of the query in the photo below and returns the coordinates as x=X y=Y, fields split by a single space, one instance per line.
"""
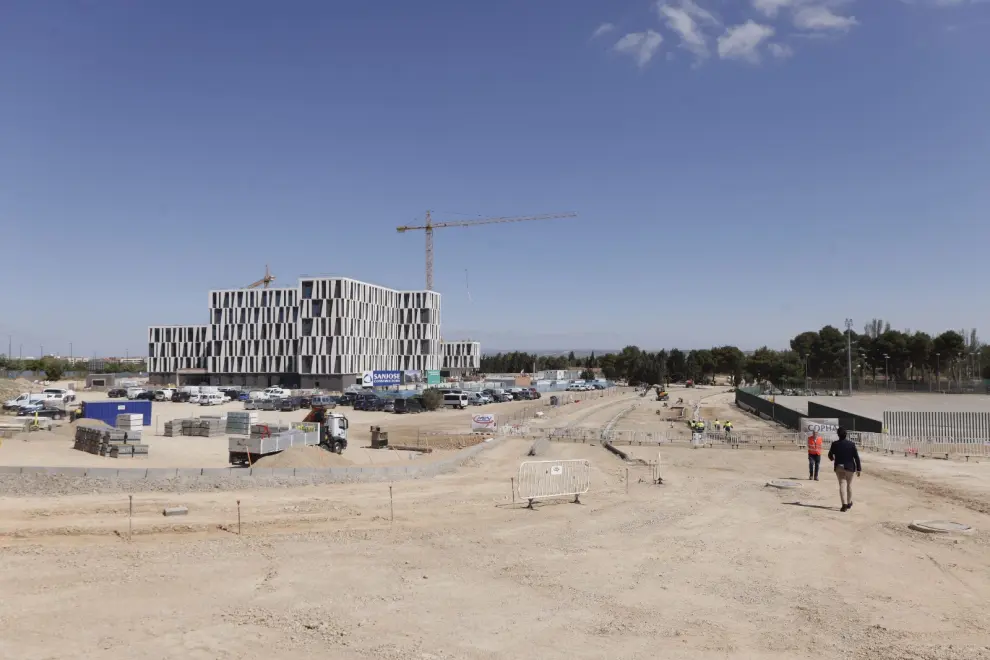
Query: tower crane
x=266 y=280
x=429 y=226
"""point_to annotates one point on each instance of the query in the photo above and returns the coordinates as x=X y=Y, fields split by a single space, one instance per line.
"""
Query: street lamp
x=849 y=354
x=886 y=369
x=938 y=371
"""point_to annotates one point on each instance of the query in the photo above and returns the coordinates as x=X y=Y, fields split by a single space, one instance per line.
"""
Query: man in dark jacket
x=844 y=454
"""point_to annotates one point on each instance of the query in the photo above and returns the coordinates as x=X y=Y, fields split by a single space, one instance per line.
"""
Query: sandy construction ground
x=55 y=449
x=712 y=564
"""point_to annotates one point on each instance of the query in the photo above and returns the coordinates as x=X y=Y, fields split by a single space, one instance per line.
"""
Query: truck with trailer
x=330 y=433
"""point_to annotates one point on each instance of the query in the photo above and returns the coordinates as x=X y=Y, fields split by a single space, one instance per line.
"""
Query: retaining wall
x=849 y=421
x=772 y=412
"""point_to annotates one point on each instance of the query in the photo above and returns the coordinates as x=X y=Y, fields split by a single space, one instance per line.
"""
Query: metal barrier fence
x=944 y=425
x=545 y=479
x=923 y=447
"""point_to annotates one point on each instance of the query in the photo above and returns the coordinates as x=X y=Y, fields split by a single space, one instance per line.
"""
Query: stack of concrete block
x=174 y=427
x=207 y=428
x=239 y=423
x=112 y=443
x=131 y=425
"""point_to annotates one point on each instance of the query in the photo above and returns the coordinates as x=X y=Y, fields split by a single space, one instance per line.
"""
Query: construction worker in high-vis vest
x=814 y=455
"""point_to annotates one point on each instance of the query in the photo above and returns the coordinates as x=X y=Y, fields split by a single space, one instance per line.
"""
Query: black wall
x=769 y=410
x=847 y=420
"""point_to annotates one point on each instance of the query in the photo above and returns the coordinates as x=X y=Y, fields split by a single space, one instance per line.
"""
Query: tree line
x=54 y=368
x=814 y=355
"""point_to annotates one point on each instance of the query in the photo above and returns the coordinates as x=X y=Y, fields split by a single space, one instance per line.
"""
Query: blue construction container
x=107 y=411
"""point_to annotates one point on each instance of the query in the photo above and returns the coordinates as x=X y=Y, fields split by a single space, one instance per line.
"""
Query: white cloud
x=780 y=51
x=769 y=8
x=684 y=20
x=822 y=18
x=742 y=42
x=604 y=28
x=642 y=46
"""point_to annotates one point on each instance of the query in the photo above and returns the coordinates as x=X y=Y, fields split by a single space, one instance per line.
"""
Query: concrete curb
x=368 y=473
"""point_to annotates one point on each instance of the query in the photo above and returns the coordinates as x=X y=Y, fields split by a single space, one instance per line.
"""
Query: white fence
x=544 y=479
x=942 y=425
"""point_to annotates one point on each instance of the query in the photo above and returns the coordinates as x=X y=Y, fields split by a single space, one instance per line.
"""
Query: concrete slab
x=189 y=473
x=102 y=472
x=10 y=469
x=215 y=472
x=132 y=474
x=261 y=472
x=71 y=471
x=162 y=473
x=283 y=472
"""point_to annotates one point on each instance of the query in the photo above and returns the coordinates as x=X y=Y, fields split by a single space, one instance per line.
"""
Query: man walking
x=847 y=465
x=815 y=442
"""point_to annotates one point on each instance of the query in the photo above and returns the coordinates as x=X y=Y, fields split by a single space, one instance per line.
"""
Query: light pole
x=849 y=353
x=886 y=370
x=938 y=371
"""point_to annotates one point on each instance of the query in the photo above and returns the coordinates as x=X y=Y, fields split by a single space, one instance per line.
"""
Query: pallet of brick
x=210 y=428
x=173 y=428
x=239 y=422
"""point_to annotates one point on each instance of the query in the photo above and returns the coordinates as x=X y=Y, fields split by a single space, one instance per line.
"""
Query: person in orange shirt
x=814 y=455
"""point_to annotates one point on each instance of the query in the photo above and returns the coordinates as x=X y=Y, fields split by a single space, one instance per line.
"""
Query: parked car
x=117 y=393
x=147 y=395
x=410 y=405
x=163 y=395
x=456 y=400
x=60 y=394
x=369 y=402
x=290 y=403
x=324 y=401
x=211 y=399
x=388 y=405
x=476 y=398
x=23 y=400
x=180 y=397
x=534 y=393
x=348 y=398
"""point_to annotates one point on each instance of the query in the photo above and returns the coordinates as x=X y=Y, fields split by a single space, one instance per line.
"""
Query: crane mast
x=429 y=226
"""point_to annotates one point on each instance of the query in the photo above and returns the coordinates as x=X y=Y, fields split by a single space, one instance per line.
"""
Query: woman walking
x=844 y=454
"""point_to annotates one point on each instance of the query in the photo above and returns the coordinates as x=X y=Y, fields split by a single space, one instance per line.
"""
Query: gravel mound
x=303 y=457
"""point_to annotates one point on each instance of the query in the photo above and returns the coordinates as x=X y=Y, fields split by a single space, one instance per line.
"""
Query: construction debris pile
x=114 y=443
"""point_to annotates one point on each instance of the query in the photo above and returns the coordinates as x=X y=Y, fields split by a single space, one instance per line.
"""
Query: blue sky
x=742 y=170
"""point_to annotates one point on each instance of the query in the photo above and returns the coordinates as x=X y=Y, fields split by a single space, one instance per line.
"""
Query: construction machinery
x=429 y=226
x=264 y=281
x=662 y=394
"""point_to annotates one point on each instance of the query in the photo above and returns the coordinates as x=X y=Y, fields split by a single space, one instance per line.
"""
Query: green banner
x=432 y=376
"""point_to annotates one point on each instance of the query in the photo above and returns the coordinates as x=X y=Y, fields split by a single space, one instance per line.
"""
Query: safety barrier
x=924 y=447
x=545 y=479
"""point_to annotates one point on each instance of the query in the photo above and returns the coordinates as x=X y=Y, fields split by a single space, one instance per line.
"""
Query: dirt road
x=713 y=564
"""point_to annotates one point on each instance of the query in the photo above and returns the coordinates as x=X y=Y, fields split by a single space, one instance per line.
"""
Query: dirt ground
x=711 y=564
x=55 y=448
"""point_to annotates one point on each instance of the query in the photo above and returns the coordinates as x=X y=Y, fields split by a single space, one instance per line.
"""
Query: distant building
x=329 y=333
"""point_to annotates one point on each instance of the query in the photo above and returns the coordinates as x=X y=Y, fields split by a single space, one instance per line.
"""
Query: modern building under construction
x=327 y=333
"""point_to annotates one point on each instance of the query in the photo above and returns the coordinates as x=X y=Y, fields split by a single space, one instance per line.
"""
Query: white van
x=211 y=399
x=25 y=399
x=132 y=392
x=163 y=395
x=460 y=400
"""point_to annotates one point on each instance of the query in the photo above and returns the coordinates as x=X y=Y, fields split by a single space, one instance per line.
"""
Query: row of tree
x=814 y=355
x=54 y=368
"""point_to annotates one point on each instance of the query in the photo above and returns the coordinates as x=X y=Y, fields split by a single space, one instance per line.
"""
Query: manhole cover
x=783 y=483
x=940 y=527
